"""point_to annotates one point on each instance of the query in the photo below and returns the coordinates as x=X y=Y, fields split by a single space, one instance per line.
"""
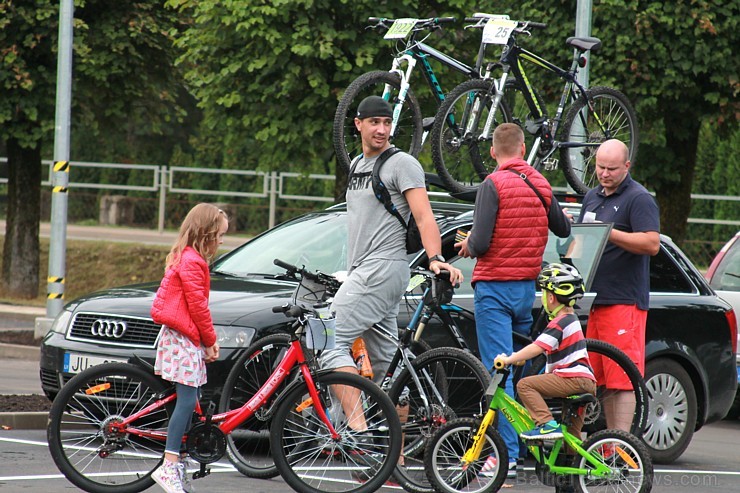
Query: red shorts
x=624 y=327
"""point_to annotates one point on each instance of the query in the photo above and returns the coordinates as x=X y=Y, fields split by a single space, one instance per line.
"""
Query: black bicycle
x=463 y=127
x=428 y=386
x=409 y=128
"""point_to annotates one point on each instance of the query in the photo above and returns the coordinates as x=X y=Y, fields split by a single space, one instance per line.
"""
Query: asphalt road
x=710 y=465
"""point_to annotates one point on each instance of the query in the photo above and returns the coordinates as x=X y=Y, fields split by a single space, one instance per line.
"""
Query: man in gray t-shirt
x=377 y=265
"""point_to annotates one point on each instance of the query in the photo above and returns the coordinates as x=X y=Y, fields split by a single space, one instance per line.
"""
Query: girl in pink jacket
x=188 y=340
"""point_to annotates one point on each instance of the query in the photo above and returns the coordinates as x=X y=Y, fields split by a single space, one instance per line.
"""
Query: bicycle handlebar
x=478 y=17
x=421 y=24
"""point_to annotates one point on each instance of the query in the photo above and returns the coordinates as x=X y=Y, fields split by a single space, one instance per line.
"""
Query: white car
x=724 y=277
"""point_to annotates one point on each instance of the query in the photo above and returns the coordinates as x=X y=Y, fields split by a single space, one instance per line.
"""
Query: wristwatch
x=438 y=258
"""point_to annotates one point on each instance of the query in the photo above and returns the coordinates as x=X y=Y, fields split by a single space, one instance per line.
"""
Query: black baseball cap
x=374 y=106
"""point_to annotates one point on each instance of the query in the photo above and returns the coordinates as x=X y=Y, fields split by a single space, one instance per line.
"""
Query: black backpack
x=413 y=236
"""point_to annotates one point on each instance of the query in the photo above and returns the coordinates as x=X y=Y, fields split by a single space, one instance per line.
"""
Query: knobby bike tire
x=594 y=413
x=453 y=381
x=310 y=461
x=611 y=117
x=460 y=157
x=79 y=437
x=444 y=453
x=248 y=446
x=347 y=141
x=632 y=467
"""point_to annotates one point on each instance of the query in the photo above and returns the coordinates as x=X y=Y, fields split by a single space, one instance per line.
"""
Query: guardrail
x=271 y=186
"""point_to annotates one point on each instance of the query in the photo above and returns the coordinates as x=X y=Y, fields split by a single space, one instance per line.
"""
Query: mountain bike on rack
x=594 y=115
x=606 y=461
x=427 y=386
x=409 y=128
x=108 y=425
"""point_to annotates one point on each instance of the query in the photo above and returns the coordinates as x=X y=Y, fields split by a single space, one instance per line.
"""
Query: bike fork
x=404 y=89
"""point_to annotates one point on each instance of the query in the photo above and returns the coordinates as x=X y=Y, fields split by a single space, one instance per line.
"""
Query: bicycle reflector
x=97 y=389
x=582 y=60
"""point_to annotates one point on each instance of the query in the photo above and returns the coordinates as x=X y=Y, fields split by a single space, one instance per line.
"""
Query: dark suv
x=691 y=333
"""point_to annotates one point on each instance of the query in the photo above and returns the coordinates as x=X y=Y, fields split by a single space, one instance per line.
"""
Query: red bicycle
x=108 y=425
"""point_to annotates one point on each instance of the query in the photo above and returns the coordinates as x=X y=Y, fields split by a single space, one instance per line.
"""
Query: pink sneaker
x=168 y=477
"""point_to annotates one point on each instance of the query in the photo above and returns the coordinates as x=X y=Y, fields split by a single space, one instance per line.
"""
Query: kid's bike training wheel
x=452 y=383
x=408 y=132
x=83 y=440
x=307 y=456
x=611 y=116
x=461 y=156
x=601 y=352
x=446 y=448
x=626 y=456
x=248 y=446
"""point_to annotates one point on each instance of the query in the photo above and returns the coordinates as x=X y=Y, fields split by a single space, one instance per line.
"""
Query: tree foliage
x=124 y=87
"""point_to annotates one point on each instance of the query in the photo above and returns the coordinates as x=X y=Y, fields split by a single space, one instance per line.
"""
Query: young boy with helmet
x=568 y=370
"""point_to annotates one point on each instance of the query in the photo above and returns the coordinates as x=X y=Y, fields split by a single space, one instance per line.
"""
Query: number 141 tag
x=497 y=31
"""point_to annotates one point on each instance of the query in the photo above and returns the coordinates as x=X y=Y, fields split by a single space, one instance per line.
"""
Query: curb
x=17 y=351
x=24 y=421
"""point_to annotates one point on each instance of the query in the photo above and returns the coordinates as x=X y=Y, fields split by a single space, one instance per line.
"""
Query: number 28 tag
x=497 y=31
x=400 y=28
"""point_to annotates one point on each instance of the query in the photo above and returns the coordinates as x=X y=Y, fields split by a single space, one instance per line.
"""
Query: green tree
x=268 y=75
x=124 y=86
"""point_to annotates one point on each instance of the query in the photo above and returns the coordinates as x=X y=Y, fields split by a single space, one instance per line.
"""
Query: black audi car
x=691 y=333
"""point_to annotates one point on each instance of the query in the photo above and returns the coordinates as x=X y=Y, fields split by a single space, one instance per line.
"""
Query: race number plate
x=497 y=31
x=400 y=28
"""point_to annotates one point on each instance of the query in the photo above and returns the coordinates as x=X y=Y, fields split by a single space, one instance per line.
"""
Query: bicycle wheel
x=461 y=157
x=452 y=383
x=626 y=456
x=92 y=454
x=408 y=132
x=610 y=116
x=594 y=417
x=248 y=446
x=310 y=461
x=444 y=452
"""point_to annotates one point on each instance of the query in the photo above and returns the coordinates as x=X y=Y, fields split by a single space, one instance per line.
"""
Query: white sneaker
x=168 y=477
x=182 y=467
x=489 y=468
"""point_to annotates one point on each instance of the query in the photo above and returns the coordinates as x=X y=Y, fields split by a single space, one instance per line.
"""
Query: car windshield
x=316 y=241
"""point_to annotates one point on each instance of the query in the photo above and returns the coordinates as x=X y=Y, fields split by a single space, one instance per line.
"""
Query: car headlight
x=233 y=337
x=61 y=323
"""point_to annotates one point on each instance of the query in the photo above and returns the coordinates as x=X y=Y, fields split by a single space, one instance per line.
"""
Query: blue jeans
x=501 y=308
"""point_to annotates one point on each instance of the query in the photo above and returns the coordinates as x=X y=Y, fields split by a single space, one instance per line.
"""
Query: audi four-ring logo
x=113 y=329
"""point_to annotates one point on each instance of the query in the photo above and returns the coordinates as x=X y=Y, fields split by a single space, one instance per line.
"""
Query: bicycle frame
x=421 y=52
x=511 y=59
x=230 y=420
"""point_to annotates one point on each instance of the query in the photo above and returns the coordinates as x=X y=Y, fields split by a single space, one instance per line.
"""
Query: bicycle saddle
x=585 y=43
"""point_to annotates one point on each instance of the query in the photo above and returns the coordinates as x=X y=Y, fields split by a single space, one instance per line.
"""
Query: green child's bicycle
x=607 y=461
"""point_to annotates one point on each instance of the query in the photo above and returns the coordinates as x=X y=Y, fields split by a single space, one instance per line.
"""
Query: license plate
x=75 y=363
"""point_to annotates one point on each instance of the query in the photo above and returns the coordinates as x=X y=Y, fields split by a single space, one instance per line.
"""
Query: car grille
x=139 y=333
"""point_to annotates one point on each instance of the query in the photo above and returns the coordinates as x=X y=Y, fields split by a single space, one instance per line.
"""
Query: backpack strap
x=379 y=188
x=526 y=180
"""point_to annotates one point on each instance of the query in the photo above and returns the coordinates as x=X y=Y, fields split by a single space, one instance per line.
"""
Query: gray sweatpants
x=370 y=295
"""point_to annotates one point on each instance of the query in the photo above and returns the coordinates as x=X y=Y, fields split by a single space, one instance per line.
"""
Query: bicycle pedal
x=551 y=164
x=202 y=472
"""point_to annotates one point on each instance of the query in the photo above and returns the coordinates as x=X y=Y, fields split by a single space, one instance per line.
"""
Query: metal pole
x=163 y=176
x=273 y=198
x=60 y=169
x=583 y=28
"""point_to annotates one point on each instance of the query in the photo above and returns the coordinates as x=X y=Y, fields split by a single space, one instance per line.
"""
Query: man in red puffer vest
x=514 y=208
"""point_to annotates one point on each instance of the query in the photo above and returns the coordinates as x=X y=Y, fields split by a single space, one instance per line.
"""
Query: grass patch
x=94 y=265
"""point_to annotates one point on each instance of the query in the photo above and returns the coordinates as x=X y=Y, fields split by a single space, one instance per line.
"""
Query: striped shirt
x=565 y=347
